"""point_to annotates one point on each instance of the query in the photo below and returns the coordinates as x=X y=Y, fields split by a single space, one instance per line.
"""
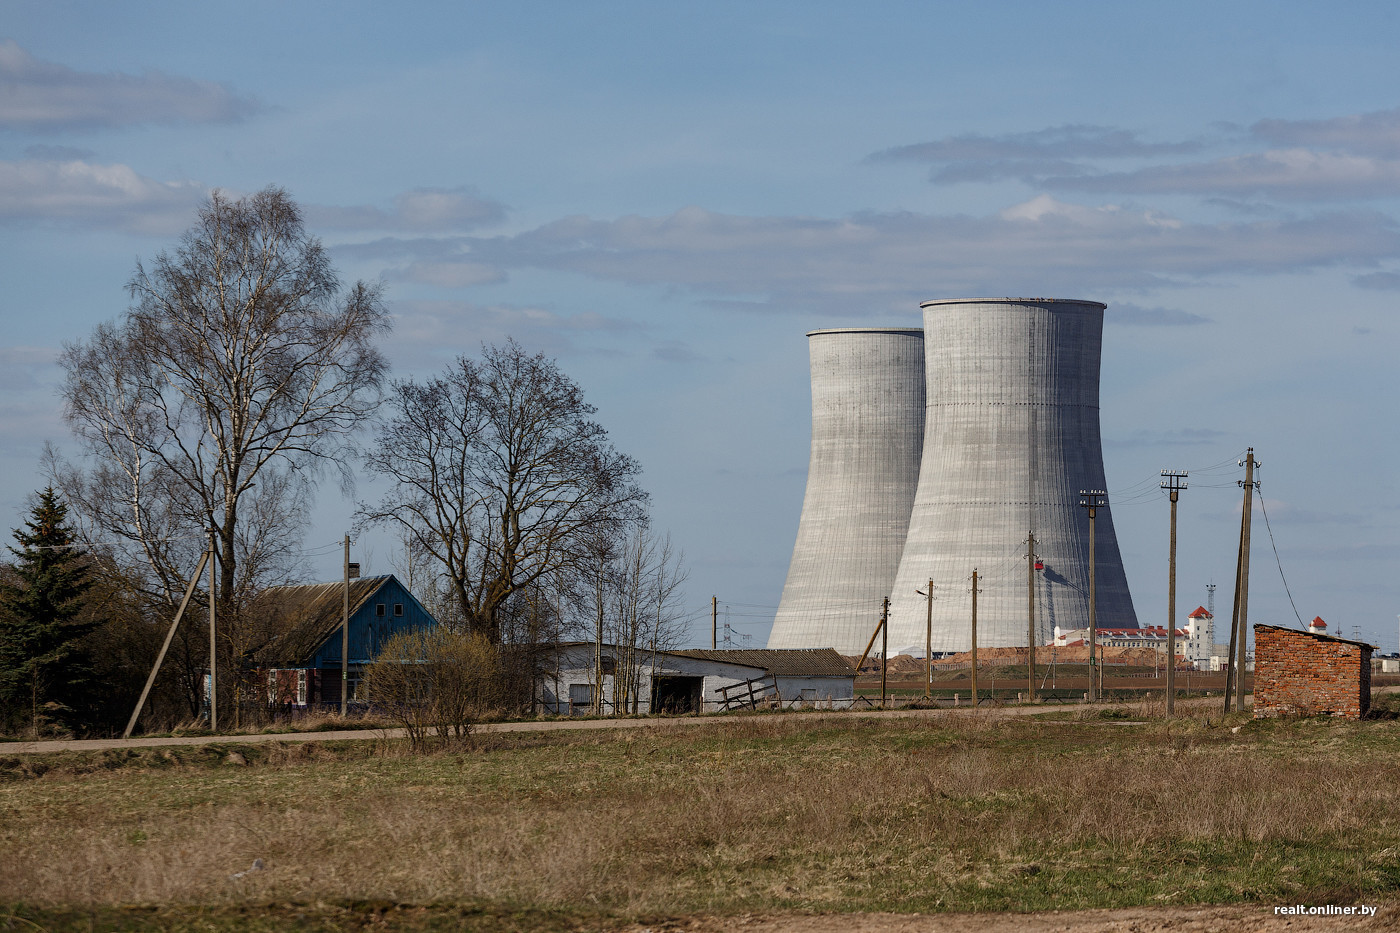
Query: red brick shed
x=1310 y=674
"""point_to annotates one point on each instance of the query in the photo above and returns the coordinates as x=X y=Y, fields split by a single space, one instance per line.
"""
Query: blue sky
x=667 y=197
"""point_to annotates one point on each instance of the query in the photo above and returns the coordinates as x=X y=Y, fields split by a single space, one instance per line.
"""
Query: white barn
x=692 y=681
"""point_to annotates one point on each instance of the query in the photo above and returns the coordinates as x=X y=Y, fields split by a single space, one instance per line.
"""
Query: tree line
x=243 y=374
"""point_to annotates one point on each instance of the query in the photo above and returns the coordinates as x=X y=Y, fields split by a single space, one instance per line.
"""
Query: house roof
x=1201 y=611
x=781 y=662
x=310 y=613
x=1317 y=622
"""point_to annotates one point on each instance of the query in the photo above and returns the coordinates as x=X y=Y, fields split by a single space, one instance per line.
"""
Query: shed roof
x=781 y=662
x=311 y=612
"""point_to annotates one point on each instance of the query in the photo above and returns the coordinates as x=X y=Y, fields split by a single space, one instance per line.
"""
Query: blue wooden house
x=302 y=667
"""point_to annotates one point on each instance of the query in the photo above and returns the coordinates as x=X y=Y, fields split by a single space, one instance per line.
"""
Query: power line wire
x=1270 y=529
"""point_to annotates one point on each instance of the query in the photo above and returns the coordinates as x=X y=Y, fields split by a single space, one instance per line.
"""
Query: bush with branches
x=436 y=684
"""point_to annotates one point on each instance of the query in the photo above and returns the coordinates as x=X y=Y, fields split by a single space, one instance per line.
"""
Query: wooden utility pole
x=213 y=649
x=1242 y=594
x=885 y=653
x=345 y=635
x=714 y=623
x=1030 y=619
x=974 y=637
x=1093 y=500
x=165 y=646
x=928 y=647
x=879 y=627
x=1173 y=483
x=1230 y=679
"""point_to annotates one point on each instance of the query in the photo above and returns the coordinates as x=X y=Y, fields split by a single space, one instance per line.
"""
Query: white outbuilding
x=690 y=681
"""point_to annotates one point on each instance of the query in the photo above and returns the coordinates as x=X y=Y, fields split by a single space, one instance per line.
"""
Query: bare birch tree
x=631 y=600
x=235 y=376
x=500 y=473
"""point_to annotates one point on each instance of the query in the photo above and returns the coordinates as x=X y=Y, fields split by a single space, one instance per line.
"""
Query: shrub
x=436 y=684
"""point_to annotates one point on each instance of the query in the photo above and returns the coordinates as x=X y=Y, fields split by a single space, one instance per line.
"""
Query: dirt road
x=361 y=735
x=1256 y=919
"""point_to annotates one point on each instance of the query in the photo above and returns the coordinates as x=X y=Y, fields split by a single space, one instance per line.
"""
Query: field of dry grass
x=568 y=830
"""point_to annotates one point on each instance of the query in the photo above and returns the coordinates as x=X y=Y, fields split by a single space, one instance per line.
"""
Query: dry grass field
x=570 y=831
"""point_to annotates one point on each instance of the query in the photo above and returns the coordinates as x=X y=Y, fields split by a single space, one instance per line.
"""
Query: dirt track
x=362 y=735
x=1127 y=920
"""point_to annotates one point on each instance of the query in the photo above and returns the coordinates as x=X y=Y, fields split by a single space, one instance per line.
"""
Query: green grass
x=570 y=830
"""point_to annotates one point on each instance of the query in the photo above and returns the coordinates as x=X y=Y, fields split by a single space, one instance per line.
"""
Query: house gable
x=387 y=611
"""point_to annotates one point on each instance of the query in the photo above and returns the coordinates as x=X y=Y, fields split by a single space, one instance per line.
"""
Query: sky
x=666 y=197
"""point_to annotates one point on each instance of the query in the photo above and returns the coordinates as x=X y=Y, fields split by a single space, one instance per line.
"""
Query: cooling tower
x=867 y=434
x=1011 y=437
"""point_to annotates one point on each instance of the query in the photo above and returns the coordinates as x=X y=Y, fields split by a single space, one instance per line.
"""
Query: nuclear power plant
x=1010 y=436
x=867 y=438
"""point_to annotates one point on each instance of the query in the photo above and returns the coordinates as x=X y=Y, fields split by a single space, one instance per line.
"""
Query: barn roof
x=780 y=662
x=310 y=613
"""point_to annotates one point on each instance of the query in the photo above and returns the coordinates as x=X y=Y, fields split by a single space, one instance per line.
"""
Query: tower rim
x=1013 y=301
x=912 y=331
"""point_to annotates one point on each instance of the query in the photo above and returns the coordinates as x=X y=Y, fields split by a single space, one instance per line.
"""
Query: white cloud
x=1291 y=174
x=461 y=326
x=427 y=210
x=450 y=274
x=86 y=193
x=868 y=263
x=1136 y=316
x=1348 y=157
x=42 y=96
x=1378 y=281
x=1376 y=133
x=1071 y=141
x=1056 y=150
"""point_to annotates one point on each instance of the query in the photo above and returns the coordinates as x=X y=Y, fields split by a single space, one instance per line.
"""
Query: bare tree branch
x=239 y=371
x=500 y=474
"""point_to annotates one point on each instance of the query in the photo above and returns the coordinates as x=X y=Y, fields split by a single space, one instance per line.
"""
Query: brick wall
x=1300 y=674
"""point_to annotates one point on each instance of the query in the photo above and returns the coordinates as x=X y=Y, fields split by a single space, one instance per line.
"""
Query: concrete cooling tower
x=1011 y=437
x=867 y=437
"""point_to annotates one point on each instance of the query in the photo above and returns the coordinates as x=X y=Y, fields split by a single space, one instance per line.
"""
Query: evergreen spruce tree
x=44 y=675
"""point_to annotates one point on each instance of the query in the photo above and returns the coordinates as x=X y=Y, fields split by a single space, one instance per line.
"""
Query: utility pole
x=1030 y=618
x=714 y=623
x=1242 y=593
x=345 y=635
x=1093 y=500
x=1230 y=678
x=974 y=637
x=884 y=653
x=928 y=645
x=1173 y=482
x=213 y=648
x=165 y=646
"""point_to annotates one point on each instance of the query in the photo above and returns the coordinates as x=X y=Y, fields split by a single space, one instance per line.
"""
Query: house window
x=379 y=610
x=398 y=609
x=272 y=686
x=609 y=665
x=301 y=688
